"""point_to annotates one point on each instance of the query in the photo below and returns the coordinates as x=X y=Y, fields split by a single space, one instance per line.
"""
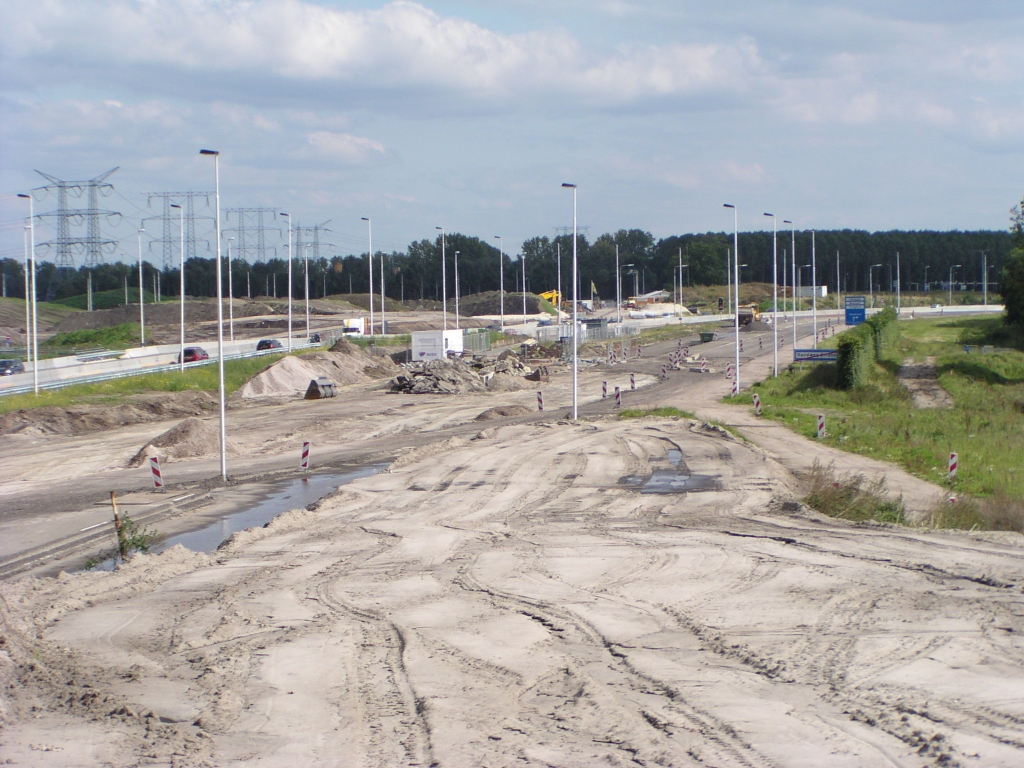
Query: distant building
x=807 y=291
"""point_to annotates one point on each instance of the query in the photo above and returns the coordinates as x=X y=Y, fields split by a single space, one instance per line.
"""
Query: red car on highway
x=194 y=355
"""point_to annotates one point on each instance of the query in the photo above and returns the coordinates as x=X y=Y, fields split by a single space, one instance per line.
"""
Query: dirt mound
x=84 y=419
x=503 y=412
x=165 y=313
x=489 y=303
x=344 y=364
x=187 y=440
x=456 y=377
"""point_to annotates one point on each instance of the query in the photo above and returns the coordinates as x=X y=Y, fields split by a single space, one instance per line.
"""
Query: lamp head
x=569 y=186
x=24 y=196
x=175 y=205
x=286 y=215
x=770 y=214
x=365 y=218
x=208 y=152
x=786 y=221
x=728 y=205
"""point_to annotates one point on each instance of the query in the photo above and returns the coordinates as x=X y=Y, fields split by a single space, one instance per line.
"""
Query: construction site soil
x=530 y=591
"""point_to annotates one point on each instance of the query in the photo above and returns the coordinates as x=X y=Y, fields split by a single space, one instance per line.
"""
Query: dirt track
x=510 y=597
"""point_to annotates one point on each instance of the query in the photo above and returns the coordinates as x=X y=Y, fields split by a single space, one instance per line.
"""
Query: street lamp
x=501 y=279
x=618 y=287
x=792 y=257
x=814 y=291
x=926 y=279
x=220 y=313
x=231 y=295
x=736 y=261
x=984 y=278
x=955 y=266
x=575 y=303
x=871 y=282
x=522 y=259
x=181 y=278
x=35 y=313
x=631 y=270
x=444 y=283
x=369 y=258
x=289 y=217
x=305 y=274
x=775 y=293
x=142 y=295
x=457 y=290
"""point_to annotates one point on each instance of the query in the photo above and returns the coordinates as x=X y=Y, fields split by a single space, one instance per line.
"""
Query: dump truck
x=749 y=313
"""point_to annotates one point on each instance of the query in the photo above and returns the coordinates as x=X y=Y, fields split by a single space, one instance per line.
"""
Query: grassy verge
x=115 y=337
x=202 y=378
x=985 y=427
x=661 y=412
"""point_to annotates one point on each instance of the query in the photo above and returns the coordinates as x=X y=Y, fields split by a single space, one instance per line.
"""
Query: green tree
x=1011 y=280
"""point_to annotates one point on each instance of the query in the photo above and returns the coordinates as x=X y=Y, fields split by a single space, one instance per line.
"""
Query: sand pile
x=344 y=364
x=503 y=412
x=756 y=326
x=187 y=440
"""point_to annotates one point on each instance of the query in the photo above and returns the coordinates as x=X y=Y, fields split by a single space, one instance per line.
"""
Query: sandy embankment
x=515 y=600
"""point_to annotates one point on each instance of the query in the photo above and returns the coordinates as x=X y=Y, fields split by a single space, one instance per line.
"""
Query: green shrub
x=859 y=347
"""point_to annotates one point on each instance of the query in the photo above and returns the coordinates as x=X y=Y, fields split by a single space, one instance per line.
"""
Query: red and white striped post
x=703 y=365
x=821 y=425
x=304 y=461
x=728 y=370
x=158 y=478
x=735 y=387
x=618 y=398
x=540 y=400
x=664 y=372
x=952 y=467
x=760 y=342
x=632 y=381
x=686 y=351
x=741 y=345
x=757 y=404
x=604 y=389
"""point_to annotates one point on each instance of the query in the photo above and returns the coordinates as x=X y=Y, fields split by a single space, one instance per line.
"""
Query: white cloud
x=352 y=149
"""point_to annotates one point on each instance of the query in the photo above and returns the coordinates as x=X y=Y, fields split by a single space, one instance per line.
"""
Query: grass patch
x=985 y=427
x=851 y=497
x=202 y=378
x=665 y=411
x=115 y=337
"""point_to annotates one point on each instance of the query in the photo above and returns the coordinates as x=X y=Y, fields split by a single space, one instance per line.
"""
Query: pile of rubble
x=456 y=377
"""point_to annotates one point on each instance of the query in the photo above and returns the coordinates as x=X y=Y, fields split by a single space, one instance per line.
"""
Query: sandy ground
x=511 y=593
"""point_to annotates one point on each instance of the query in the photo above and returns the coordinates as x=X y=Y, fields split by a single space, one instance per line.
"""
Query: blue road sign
x=856 y=316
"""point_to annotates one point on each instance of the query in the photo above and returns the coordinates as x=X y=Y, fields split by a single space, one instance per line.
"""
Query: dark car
x=314 y=338
x=268 y=344
x=194 y=355
x=11 y=366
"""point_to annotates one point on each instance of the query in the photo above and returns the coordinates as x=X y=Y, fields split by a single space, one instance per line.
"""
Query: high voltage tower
x=171 y=233
x=249 y=229
x=314 y=241
x=92 y=244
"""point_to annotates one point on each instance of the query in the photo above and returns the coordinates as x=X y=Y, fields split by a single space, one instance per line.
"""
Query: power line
x=250 y=230
x=93 y=244
x=171 y=230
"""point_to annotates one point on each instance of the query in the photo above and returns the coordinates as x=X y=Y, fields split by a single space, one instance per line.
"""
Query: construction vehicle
x=553 y=296
x=749 y=313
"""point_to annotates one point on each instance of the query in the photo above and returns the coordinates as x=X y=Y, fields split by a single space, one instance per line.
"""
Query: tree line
x=644 y=262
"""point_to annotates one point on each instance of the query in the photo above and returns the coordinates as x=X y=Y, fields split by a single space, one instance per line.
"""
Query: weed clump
x=999 y=512
x=851 y=497
x=665 y=411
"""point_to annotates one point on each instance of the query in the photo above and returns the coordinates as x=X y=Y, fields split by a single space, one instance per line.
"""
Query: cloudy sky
x=470 y=113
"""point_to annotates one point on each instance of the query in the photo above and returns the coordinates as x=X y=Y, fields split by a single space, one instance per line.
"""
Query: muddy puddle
x=289 y=494
x=676 y=478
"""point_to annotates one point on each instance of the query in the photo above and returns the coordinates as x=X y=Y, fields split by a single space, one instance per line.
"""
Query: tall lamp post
x=369 y=261
x=32 y=278
x=618 y=287
x=444 y=283
x=984 y=278
x=220 y=312
x=457 y=290
x=775 y=293
x=871 y=282
x=305 y=275
x=814 y=291
x=575 y=310
x=231 y=295
x=792 y=257
x=289 y=217
x=142 y=294
x=926 y=279
x=955 y=266
x=181 y=281
x=736 y=273
x=501 y=279
x=522 y=259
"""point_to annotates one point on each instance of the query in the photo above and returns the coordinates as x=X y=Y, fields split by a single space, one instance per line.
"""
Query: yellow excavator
x=553 y=296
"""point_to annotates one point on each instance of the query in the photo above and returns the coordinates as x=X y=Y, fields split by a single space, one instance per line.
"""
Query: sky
x=470 y=114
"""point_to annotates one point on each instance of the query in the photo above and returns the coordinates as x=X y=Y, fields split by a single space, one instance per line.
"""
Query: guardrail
x=100 y=377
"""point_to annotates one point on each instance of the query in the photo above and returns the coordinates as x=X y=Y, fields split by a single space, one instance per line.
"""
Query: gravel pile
x=456 y=377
